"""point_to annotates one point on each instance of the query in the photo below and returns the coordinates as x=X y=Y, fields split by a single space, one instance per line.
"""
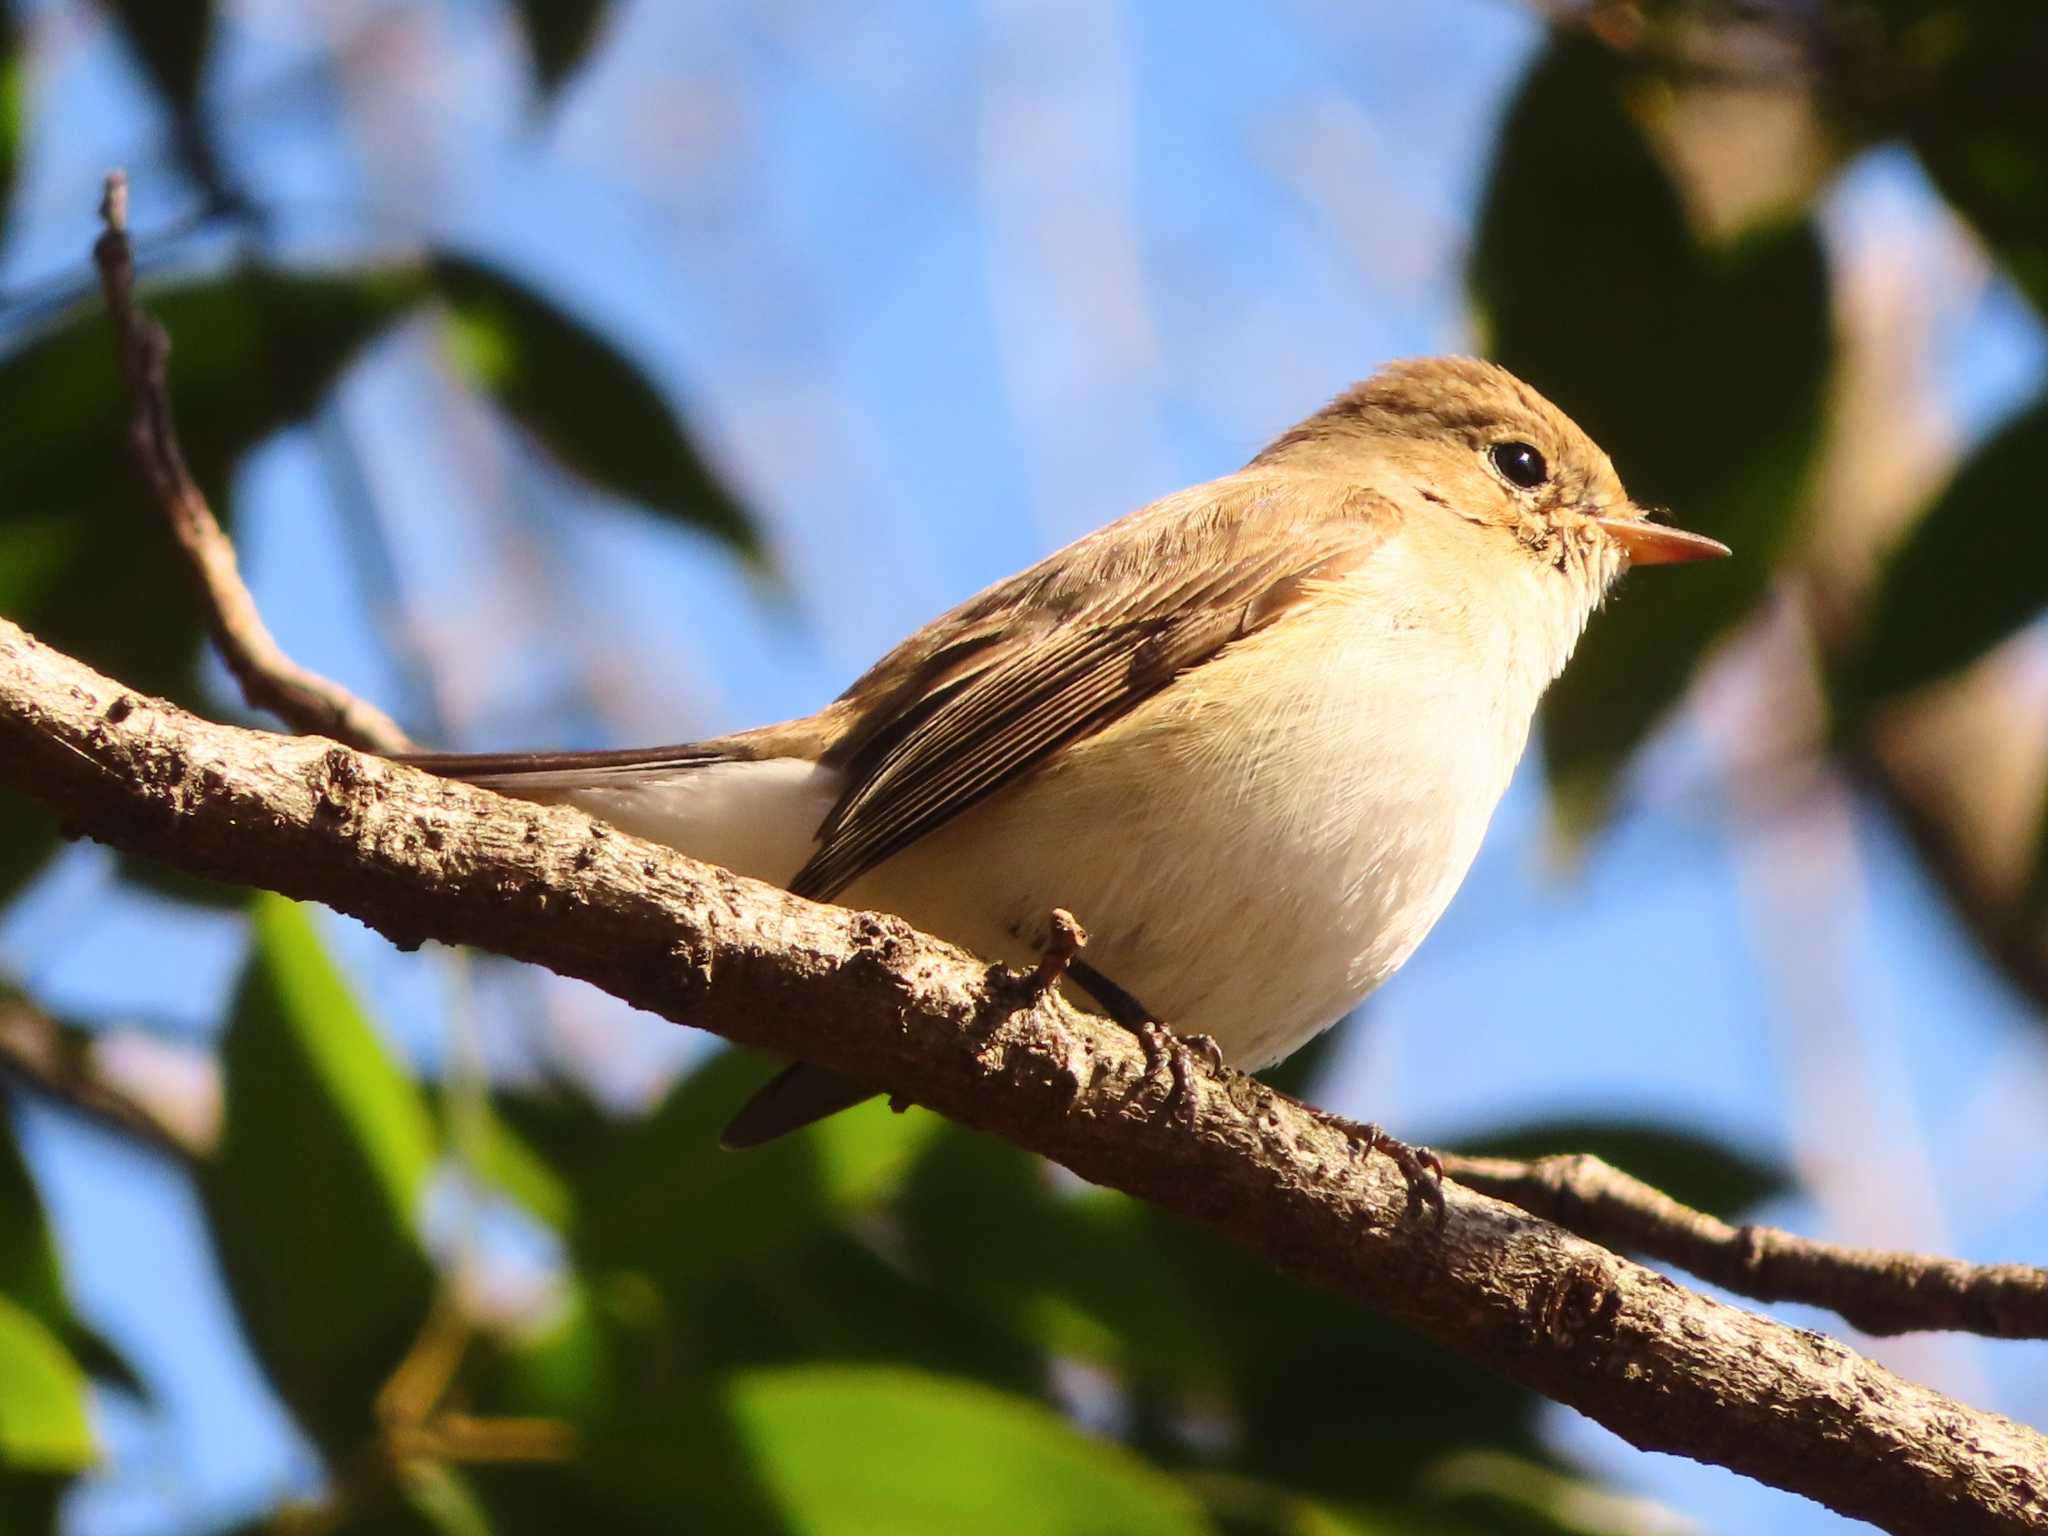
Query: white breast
x=1257 y=848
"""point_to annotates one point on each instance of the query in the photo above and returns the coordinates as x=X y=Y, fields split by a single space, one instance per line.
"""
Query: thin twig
x=270 y=680
x=55 y=1061
x=1875 y=1290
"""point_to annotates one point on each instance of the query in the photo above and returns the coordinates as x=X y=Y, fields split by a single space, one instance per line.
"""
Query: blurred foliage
x=885 y=1323
x=321 y=1248
x=581 y=399
x=558 y=35
x=1597 y=303
x=171 y=38
x=1967 y=79
x=1975 y=539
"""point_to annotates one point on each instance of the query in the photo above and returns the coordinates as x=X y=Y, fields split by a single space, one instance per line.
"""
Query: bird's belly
x=1248 y=865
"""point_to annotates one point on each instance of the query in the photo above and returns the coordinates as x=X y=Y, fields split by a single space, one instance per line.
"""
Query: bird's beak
x=1648 y=543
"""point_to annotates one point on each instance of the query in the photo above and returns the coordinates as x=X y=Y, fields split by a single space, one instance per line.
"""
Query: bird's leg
x=1421 y=1169
x=1065 y=939
x=1068 y=938
x=1162 y=1047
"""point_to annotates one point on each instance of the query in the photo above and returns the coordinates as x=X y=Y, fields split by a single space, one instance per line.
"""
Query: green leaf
x=442 y=1501
x=315 y=1191
x=1692 y=1168
x=505 y=1159
x=1519 y=1496
x=13 y=106
x=666 y=1198
x=856 y=1451
x=1246 y=1506
x=584 y=400
x=28 y=836
x=1700 y=369
x=1976 y=120
x=43 y=1423
x=1971 y=571
x=31 y=1275
x=85 y=560
x=558 y=34
x=171 y=38
x=1187 y=1323
x=30 y=1502
x=763 y=1256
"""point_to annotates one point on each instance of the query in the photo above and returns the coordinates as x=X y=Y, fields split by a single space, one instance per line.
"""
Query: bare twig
x=864 y=994
x=269 y=679
x=1877 y=1291
x=55 y=1062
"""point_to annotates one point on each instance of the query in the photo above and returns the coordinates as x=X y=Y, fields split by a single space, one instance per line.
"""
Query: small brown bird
x=1250 y=735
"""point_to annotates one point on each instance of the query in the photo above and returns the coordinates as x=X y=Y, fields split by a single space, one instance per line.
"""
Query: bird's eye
x=1522 y=464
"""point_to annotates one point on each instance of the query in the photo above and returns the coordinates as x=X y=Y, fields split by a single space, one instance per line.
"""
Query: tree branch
x=418 y=858
x=1878 y=1291
x=270 y=680
x=55 y=1061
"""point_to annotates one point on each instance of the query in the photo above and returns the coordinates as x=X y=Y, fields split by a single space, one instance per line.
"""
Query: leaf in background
x=1245 y=1506
x=85 y=561
x=582 y=399
x=315 y=1192
x=30 y=1502
x=1193 y=1327
x=652 y=1440
x=763 y=1256
x=32 y=1278
x=858 y=1451
x=43 y=1424
x=1692 y=1168
x=663 y=1196
x=171 y=38
x=1514 y=1496
x=28 y=836
x=1978 y=120
x=1972 y=570
x=558 y=35
x=496 y=1153
x=1700 y=369
x=13 y=105
x=984 y=1223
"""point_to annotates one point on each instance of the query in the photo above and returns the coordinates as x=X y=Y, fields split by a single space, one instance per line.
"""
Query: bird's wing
x=1005 y=683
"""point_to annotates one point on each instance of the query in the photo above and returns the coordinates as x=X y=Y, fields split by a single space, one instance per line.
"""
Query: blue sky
x=943 y=286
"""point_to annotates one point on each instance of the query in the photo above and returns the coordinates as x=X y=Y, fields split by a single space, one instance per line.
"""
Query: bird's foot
x=1175 y=1054
x=1421 y=1168
x=1066 y=939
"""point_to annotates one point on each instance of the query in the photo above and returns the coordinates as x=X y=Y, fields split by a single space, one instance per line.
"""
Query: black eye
x=1522 y=464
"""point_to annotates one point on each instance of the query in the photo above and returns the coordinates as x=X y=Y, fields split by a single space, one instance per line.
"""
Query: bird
x=1250 y=735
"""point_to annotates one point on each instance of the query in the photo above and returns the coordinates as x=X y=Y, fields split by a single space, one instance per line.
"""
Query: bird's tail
x=754 y=815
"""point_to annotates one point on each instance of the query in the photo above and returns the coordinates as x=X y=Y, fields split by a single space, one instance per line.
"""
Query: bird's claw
x=1175 y=1053
x=1421 y=1169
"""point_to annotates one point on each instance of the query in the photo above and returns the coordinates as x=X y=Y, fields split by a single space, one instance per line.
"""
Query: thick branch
x=418 y=858
x=270 y=680
x=1880 y=1292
